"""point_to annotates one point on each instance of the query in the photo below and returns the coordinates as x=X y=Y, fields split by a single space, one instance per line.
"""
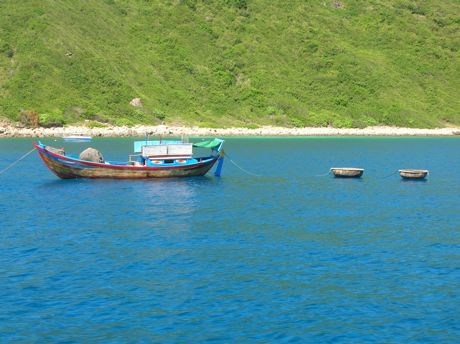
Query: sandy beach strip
x=165 y=130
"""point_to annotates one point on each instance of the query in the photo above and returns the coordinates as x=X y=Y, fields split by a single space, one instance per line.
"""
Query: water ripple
x=288 y=257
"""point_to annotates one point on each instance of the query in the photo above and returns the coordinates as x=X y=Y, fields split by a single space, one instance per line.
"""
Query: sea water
x=285 y=253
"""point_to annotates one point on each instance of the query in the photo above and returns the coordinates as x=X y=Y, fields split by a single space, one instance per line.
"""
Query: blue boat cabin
x=162 y=153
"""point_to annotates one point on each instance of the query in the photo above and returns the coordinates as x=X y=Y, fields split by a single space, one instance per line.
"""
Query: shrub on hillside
x=29 y=118
x=123 y=122
x=240 y=4
x=95 y=124
x=342 y=122
x=6 y=49
x=52 y=119
x=159 y=114
x=297 y=122
x=365 y=121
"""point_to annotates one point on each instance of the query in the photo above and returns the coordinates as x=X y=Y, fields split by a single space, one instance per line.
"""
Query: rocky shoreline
x=164 y=130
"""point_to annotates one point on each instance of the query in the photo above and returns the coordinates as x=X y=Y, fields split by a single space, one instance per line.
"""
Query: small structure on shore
x=347 y=172
x=413 y=174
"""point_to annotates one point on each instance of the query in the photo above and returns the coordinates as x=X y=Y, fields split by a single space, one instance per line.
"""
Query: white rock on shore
x=164 y=130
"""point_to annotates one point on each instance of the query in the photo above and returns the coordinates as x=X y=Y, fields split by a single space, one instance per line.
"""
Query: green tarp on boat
x=211 y=144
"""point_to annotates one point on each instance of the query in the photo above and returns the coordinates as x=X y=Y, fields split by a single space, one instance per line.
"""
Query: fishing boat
x=152 y=159
x=347 y=172
x=413 y=174
x=77 y=138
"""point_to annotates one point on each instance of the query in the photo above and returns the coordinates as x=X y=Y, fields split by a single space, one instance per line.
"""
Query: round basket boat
x=413 y=174
x=347 y=172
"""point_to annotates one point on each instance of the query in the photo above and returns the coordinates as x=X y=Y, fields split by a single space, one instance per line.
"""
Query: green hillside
x=232 y=62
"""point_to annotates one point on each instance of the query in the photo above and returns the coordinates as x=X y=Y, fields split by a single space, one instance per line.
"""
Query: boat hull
x=69 y=168
x=347 y=172
x=77 y=138
x=413 y=174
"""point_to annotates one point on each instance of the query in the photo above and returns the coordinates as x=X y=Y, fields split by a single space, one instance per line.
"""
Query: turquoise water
x=283 y=257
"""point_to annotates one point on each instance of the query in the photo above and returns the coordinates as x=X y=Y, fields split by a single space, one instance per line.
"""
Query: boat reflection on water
x=172 y=204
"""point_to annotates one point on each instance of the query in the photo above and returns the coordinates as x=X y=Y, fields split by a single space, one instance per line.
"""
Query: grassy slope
x=233 y=62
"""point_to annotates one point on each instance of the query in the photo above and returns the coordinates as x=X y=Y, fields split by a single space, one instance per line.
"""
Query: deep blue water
x=284 y=257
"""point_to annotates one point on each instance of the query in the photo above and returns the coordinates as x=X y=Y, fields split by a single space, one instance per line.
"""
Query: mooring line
x=242 y=169
x=323 y=175
x=390 y=175
x=15 y=162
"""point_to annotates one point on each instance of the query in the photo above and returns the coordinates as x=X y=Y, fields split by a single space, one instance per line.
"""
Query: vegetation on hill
x=232 y=62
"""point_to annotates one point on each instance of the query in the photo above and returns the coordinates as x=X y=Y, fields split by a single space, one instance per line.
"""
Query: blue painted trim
x=219 y=167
